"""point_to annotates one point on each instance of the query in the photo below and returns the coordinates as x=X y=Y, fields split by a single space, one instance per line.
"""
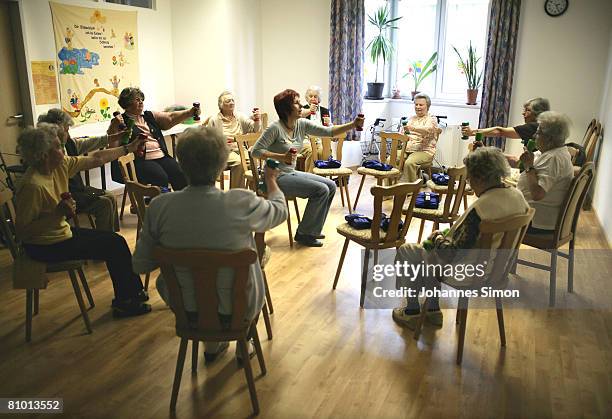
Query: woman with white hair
x=315 y=112
x=202 y=216
x=546 y=179
x=486 y=167
x=234 y=123
x=99 y=203
x=42 y=212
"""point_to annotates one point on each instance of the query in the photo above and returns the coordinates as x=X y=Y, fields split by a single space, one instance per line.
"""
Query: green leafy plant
x=469 y=67
x=420 y=72
x=380 y=46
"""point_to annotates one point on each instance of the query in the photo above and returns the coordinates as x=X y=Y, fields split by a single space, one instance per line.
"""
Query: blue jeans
x=318 y=190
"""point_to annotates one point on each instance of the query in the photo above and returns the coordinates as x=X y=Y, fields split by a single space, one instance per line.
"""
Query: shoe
x=250 y=348
x=435 y=317
x=403 y=319
x=142 y=296
x=210 y=357
x=307 y=240
x=320 y=236
x=130 y=308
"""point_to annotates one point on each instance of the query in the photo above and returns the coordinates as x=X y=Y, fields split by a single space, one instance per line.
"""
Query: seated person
x=41 y=221
x=423 y=131
x=277 y=142
x=531 y=109
x=233 y=123
x=486 y=168
x=102 y=205
x=315 y=112
x=202 y=216
x=546 y=179
x=156 y=167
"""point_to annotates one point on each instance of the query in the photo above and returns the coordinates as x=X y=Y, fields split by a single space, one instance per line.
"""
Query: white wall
x=563 y=59
x=217 y=46
x=295 y=47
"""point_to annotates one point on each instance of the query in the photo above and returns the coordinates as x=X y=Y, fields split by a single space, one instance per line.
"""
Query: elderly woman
x=287 y=135
x=101 y=204
x=315 y=112
x=41 y=222
x=202 y=216
x=156 y=167
x=486 y=168
x=233 y=123
x=546 y=179
x=423 y=131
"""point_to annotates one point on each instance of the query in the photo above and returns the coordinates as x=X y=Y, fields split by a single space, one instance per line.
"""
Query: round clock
x=556 y=8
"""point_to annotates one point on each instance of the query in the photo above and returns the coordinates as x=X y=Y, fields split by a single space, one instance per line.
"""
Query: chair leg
x=36 y=301
x=178 y=373
x=79 y=297
x=421 y=230
x=297 y=210
x=346 y=191
x=553 y=278
x=266 y=317
x=462 y=308
x=249 y=374
x=375 y=256
x=570 y=267
x=359 y=191
x=421 y=321
x=29 y=297
x=436 y=226
x=258 y=351
x=500 y=321
x=342 y=255
x=364 y=276
x=268 y=295
x=147 y=278
x=465 y=205
x=341 y=187
x=194 y=355
x=86 y=288
x=123 y=203
x=289 y=225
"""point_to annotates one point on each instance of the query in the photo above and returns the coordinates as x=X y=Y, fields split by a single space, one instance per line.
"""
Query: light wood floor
x=328 y=358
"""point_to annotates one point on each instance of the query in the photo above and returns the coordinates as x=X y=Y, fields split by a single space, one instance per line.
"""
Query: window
x=147 y=4
x=427 y=26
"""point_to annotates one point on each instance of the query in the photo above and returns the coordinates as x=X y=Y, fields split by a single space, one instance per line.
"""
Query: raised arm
x=507 y=132
x=167 y=120
x=100 y=157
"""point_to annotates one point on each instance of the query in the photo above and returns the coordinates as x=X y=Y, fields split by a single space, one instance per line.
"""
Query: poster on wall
x=97 y=56
x=45 y=82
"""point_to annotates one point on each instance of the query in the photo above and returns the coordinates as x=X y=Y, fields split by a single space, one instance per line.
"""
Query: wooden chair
x=141 y=195
x=254 y=164
x=512 y=229
x=245 y=143
x=375 y=238
x=268 y=308
x=395 y=158
x=565 y=232
x=128 y=171
x=591 y=145
x=204 y=266
x=342 y=174
x=588 y=132
x=449 y=213
x=7 y=223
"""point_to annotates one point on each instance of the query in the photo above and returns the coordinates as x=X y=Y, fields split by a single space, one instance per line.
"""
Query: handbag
x=376 y=165
x=330 y=163
x=440 y=179
x=427 y=200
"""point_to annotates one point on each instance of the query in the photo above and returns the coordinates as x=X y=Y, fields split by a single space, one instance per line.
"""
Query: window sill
x=434 y=102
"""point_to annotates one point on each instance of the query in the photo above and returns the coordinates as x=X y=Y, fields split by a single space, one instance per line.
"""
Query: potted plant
x=420 y=72
x=380 y=47
x=469 y=68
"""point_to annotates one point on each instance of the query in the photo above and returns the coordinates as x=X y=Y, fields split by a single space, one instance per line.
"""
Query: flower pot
x=472 y=95
x=375 y=90
x=414 y=93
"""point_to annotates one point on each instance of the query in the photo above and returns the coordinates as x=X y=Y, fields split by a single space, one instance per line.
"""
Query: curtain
x=499 y=66
x=346 y=57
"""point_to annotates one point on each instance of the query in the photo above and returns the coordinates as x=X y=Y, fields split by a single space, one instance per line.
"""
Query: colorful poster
x=97 y=53
x=45 y=82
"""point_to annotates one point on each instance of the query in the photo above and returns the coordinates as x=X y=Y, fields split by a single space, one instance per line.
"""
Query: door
x=11 y=109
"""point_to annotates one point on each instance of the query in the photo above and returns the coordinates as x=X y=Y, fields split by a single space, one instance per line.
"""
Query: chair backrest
x=128 y=170
x=204 y=266
x=264 y=120
x=7 y=221
x=396 y=150
x=591 y=146
x=512 y=230
x=326 y=149
x=567 y=219
x=394 y=236
x=588 y=132
x=245 y=142
x=456 y=189
x=138 y=192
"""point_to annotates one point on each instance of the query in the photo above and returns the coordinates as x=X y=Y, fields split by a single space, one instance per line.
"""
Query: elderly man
x=202 y=216
x=101 y=204
x=546 y=178
x=233 y=123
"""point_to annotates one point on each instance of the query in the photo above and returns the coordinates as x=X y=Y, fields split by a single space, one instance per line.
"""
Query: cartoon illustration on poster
x=93 y=63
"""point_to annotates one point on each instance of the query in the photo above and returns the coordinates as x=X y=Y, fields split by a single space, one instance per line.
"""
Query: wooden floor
x=328 y=357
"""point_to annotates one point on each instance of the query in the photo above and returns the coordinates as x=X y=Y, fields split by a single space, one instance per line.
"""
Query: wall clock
x=555 y=8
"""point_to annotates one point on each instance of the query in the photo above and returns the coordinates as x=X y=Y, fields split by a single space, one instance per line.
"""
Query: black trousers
x=97 y=245
x=159 y=172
